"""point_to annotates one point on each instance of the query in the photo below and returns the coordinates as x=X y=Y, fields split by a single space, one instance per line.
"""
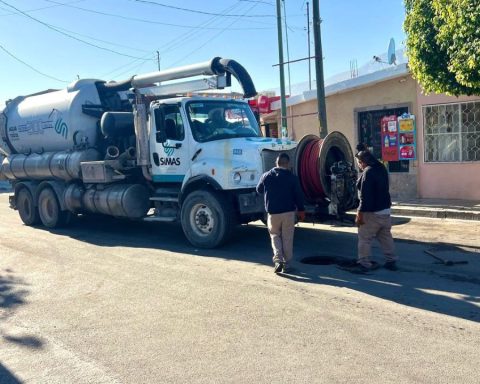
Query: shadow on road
x=12 y=295
x=7 y=377
x=425 y=287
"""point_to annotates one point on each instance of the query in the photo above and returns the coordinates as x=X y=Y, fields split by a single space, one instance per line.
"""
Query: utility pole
x=158 y=60
x=282 y=74
x=322 y=110
x=309 y=55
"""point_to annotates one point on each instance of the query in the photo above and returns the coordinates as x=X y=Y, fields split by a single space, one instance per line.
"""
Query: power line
x=29 y=66
x=40 y=9
x=196 y=10
x=67 y=34
x=141 y=20
x=97 y=39
x=259 y=2
x=129 y=66
x=80 y=34
x=214 y=37
x=175 y=42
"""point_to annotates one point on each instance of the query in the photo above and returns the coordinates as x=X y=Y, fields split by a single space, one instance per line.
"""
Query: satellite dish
x=391 y=58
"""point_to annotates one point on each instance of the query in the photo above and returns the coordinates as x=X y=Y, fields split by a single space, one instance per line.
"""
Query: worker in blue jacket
x=283 y=201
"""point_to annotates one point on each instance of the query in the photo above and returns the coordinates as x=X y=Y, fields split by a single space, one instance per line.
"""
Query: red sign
x=264 y=103
x=407 y=152
x=389 y=138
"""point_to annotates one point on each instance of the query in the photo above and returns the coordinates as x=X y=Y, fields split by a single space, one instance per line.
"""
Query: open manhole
x=327 y=260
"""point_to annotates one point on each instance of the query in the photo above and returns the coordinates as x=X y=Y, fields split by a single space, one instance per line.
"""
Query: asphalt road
x=108 y=301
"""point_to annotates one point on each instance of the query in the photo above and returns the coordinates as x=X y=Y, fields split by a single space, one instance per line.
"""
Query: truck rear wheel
x=49 y=209
x=207 y=219
x=26 y=208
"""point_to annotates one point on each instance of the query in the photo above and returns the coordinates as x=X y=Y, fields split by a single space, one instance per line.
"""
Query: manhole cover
x=327 y=260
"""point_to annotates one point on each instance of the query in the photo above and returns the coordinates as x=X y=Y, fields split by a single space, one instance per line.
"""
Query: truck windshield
x=216 y=120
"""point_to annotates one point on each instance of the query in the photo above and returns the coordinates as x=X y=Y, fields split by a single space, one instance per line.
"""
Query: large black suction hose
x=221 y=66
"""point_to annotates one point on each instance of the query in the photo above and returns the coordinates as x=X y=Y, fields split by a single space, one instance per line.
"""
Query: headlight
x=237 y=178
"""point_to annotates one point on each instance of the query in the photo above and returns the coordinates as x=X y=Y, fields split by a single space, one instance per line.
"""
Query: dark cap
x=366 y=157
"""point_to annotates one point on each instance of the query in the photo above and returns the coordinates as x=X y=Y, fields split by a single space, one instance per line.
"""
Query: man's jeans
x=379 y=227
x=281 y=227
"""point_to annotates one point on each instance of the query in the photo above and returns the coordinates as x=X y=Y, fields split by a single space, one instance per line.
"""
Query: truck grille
x=269 y=156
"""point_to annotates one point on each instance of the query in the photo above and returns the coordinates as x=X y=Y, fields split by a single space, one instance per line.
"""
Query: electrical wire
x=172 y=44
x=259 y=2
x=67 y=34
x=101 y=40
x=40 y=9
x=86 y=36
x=196 y=10
x=130 y=68
x=141 y=20
x=31 y=67
x=214 y=37
x=177 y=42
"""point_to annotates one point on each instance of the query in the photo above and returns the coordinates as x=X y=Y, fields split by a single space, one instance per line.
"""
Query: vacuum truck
x=148 y=149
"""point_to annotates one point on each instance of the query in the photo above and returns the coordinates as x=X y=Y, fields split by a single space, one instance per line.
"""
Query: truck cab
x=211 y=147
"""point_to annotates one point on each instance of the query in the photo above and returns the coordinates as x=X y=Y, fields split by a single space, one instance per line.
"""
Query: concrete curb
x=437 y=213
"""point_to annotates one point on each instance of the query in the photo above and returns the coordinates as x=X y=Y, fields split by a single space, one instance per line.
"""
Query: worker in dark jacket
x=283 y=200
x=373 y=214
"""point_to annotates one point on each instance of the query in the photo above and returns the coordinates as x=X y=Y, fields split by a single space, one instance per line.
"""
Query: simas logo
x=169 y=151
x=61 y=128
x=169 y=160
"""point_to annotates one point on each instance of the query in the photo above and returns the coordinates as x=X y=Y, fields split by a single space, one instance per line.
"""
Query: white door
x=169 y=159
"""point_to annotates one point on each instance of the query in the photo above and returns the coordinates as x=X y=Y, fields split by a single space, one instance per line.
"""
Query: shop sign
x=407 y=137
x=389 y=138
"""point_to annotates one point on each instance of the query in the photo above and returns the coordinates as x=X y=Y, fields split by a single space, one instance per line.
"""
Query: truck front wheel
x=207 y=219
x=49 y=209
x=26 y=208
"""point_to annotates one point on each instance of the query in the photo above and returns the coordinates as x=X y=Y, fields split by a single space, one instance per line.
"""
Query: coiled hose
x=309 y=174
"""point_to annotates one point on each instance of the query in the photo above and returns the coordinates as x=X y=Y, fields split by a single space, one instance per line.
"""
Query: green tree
x=443 y=45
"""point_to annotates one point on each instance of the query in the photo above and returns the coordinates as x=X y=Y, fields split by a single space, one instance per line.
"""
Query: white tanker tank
x=51 y=121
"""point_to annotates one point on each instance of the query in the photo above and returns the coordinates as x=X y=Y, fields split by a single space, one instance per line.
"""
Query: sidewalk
x=438 y=208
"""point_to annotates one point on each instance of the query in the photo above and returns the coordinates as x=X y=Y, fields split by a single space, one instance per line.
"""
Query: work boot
x=278 y=267
x=286 y=268
x=356 y=268
x=391 y=266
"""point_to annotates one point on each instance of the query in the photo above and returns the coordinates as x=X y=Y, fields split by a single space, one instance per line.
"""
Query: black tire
x=49 y=210
x=26 y=208
x=207 y=218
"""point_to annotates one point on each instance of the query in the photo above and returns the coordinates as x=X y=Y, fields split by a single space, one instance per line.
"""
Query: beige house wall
x=445 y=180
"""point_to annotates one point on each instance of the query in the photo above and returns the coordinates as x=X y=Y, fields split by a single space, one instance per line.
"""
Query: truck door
x=168 y=145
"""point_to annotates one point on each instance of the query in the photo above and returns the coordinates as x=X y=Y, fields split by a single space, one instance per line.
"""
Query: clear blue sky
x=114 y=39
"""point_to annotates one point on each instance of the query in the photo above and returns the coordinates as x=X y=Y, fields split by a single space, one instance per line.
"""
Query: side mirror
x=161 y=135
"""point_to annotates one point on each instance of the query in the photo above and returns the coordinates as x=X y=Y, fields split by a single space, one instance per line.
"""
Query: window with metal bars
x=452 y=132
